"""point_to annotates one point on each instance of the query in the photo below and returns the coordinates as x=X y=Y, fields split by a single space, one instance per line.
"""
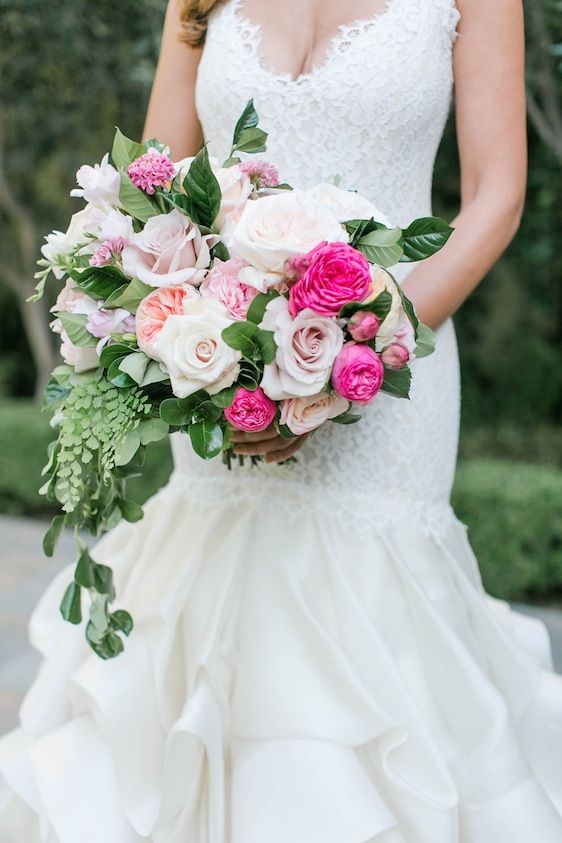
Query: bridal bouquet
x=201 y=297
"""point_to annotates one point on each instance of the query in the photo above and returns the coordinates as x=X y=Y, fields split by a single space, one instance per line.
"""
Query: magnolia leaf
x=124 y=150
x=134 y=201
x=251 y=140
x=425 y=341
x=397 y=382
x=382 y=246
x=132 y=295
x=75 y=326
x=99 y=282
x=424 y=237
x=248 y=120
x=135 y=365
x=203 y=189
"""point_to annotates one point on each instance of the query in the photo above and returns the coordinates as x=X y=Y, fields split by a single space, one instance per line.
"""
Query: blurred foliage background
x=70 y=72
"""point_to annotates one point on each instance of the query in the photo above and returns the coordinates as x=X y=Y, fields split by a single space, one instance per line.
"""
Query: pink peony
x=337 y=274
x=301 y=415
x=395 y=355
x=223 y=284
x=358 y=373
x=108 y=251
x=151 y=170
x=251 y=411
x=363 y=325
x=261 y=173
x=153 y=311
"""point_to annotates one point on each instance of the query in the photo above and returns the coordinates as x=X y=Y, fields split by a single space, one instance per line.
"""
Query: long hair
x=194 y=17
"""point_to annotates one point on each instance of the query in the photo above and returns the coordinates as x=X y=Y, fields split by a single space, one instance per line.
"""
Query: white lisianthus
x=60 y=245
x=347 y=204
x=275 y=228
x=307 y=346
x=114 y=224
x=99 y=185
x=169 y=250
x=191 y=347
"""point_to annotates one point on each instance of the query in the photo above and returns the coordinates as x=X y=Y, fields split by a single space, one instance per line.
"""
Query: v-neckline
x=346 y=33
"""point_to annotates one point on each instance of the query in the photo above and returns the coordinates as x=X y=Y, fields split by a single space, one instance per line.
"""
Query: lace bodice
x=371 y=114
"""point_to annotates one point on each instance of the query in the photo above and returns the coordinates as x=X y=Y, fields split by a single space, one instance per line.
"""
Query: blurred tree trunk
x=19 y=276
x=543 y=100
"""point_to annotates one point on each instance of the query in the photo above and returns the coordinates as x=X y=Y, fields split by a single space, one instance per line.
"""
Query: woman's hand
x=268 y=444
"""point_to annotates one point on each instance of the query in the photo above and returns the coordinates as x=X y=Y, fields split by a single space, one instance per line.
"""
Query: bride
x=322 y=665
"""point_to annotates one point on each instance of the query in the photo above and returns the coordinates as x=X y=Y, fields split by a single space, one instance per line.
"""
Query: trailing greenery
x=513 y=508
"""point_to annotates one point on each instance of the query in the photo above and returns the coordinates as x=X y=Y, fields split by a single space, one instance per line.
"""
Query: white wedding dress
x=314 y=658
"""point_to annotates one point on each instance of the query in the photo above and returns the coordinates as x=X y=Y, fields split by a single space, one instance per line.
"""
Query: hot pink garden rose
x=363 y=325
x=154 y=310
x=336 y=274
x=301 y=415
x=358 y=373
x=251 y=411
x=223 y=284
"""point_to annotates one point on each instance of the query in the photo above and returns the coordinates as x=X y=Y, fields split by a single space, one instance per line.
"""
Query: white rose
x=99 y=184
x=274 y=228
x=60 y=244
x=235 y=187
x=381 y=281
x=82 y=358
x=306 y=349
x=301 y=415
x=169 y=250
x=191 y=347
x=347 y=204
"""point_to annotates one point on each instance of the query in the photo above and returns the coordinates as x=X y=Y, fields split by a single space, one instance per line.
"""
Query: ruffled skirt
x=288 y=685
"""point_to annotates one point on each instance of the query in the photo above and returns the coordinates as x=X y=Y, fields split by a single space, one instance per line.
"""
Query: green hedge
x=513 y=509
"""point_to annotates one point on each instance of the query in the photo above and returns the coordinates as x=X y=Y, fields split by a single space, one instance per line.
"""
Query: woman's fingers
x=287 y=451
x=261 y=447
x=242 y=436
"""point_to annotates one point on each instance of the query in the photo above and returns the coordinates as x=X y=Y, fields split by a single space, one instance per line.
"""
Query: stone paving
x=24 y=574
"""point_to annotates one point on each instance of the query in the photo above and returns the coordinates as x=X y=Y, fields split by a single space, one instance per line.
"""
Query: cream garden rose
x=169 y=250
x=383 y=281
x=346 y=204
x=275 y=228
x=191 y=347
x=302 y=415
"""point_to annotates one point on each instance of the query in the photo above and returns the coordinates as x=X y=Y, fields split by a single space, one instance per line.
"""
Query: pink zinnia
x=261 y=173
x=151 y=170
x=108 y=251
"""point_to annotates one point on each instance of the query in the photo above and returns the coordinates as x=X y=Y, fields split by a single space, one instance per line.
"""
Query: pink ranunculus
x=358 y=373
x=151 y=170
x=251 y=411
x=169 y=250
x=223 y=284
x=301 y=415
x=395 y=355
x=153 y=311
x=363 y=325
x=337 y=274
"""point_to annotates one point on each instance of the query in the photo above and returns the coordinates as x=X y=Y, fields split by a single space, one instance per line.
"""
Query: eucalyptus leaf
x=52 y=535
x=152 y=430
x=258 y=305
x=154 y=374
x=71 y=604
x=242 y=337
x=84 y=573
x=118 y=377
x=121 y=621
x=130 y=510
x=206 y=438
x=347 y=418
x=103 y=580
x=267 y=344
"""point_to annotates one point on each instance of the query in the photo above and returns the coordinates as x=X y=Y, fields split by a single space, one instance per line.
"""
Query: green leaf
x=124 y=151
x=114 y=352
x=177 y=411
x=347 y=418
x=154 y=374
x=52 y=535
x=132 y=296
x=130 y=510
x=267 y=344
x=220 y=251
x=84 y=574
x=135 y=365
x=397 y=383
x=128 y=448
x=356 y=228
x=71 y=605
x=251 y=140
x=424 y=237
x=99 y=282
x=380 y=306
x=206 y=438
x=250 y=375
x=134 y=201
x=285 y=431
x=248 y=120
x=382 y=246
x=425 y=342
x=225 y=397
x=242 y=337
x=409 y=310
x=118 y=377
x=203 y=189
x=108 y=646
x=103 y=580
x=75 y=326
x=121 y=621
x=152 y=430
x=258 y=306
x=55 y=393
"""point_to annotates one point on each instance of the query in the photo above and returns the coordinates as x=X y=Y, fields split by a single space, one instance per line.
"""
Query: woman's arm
x=172 y=116
x=491 y=128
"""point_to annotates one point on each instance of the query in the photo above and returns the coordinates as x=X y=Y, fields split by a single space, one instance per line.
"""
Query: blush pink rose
x=223 y=284
x=358 y=373
x=395 y=355
x=154 y=310
x=251 y=411
x=336 y=274
x=301 y=415
x=363 y=325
